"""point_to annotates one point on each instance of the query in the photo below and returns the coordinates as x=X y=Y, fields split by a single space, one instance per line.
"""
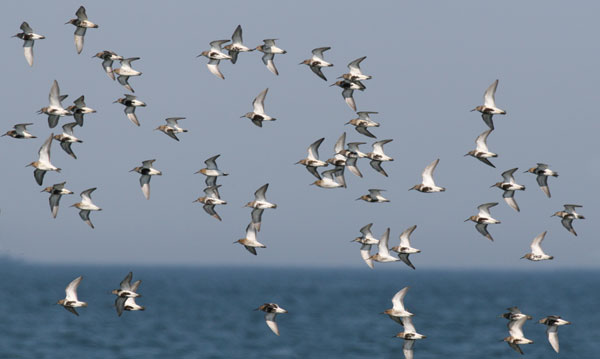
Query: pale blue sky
x=430 y=62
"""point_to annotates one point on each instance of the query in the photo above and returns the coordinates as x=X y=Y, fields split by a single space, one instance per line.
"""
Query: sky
x=430 y=62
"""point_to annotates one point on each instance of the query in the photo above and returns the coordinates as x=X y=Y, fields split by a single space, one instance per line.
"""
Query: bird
x=20 y=131
x=28 y=37
x=397 y=312
x=131 y=102
x=82 y=24
x=383 y=254
x=258 y=114
x=250 y=242
x=377 y=156
x=366 y=240
x=172 y=127
x=355 y=73
x=270 y=50
x=428 y=185
x=515 y=331
x=488 y=109
x=509 y=186
x=212 y=170
x=215 y=55
x=211 y=199
x=316 y=62
x=483 y=218
x=79 y=109
x=568 y=215
x=405 y=249
x=348 y=88
x=374 y=196
x=542 y=172
x=312 y=162
x=236 y=45
x=537 y=254
x=271 y=310
x=125 y=72
x=409 y=335
x=363 y=122
x=146 y=171
x=259 y=204
x=86 y=205
x=67 y=138
x=481 y=152
x=56 y=192
x=55 y=109
x=71 y=302
x=553 y=322
x=43 y=164
x=331 y=178
x=108 y=57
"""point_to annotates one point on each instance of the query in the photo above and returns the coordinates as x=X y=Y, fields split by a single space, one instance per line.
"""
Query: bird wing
x=71 y=290
x=428 y=174
x=488 y=96
x=259 y=102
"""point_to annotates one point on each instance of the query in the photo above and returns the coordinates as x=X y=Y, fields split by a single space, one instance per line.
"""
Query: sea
x=209 y=312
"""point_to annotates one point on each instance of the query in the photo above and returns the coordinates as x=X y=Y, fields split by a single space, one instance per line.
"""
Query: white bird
x=146 y=171
x=316 y=62
x=126 y=71
x=568 y=215
x=374 y=196
x=28 y=37
x=71 y=302
x=377 y=156
x=82 y=24
x=271 y=310
x=481 y=152
x=428 y=185
x=258 y=114
x=131 y=102
x=366 y=240
x=398 y=311
x=383 y=253
x=405 y=249
x=553 y=322
x=483 y=218
x=43 y=163
x=236 y=45
x=250 y=242
x=270 y=50
x=86 y=205
x=67 y=138
x=363 y=122
x=509 y=186
x=409 y=335
x=488 y=109
x=355 y=73
x=542 y=172
x=20 y=131
x=56 y=192
x=515 y=331
x=55 y=109
x=537 y=254
x=311 y=162
x=108 y=57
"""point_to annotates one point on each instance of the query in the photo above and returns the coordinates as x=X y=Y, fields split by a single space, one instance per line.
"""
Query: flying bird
x=258 y=114
x=236 y=45
x=509 y=186
x=56 y=192
x=481 y=152
x=537 y=253
x=126 y=71
x=71 y=301
x=271 y=310
x=82 y=24
x=20 y=131
x=542 y=172
x=86 y=205
x=316 y=62
x=28 y=37
x=488 y=109
x=270 y=50
x=568 y=215
x=428 y=185
x=108 y=57
x=483 y=218
x=67 y=138
x=43 y=164
x=131 y=102
x=146 y=171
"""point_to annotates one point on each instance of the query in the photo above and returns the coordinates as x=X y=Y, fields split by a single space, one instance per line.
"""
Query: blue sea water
x=333 y=313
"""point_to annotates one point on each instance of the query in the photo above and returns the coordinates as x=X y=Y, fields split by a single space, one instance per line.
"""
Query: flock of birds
x=346 y=156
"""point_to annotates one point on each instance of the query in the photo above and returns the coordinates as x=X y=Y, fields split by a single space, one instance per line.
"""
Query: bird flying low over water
x=86 y=205
x=542 y=172
x=67 y=138
x=55 y=109
x=56 y=192
x=397 y=312
x=568 y=215
x=71 y=301
x=537 y=253
x=42 y=165
x=211 y=199
x=108 y=57
x=409 y=335
x=553 y=322
x=258 y=114
x=82 y=24
x=215 y=55
x=146 y=171
x=79 y=109
x=172 y=127
x=483 y=218
x=488 y=109
x=20 y=131
x=509 y=186
x=271 y=310
x=126 y=71
x=236 y=45
x=316 y=62
x=270 y=50
x=428 y=185
x=374 y=196
x=377 y=156
x=363 y=122
x=250 y=242
x=312 y=162
x=405 y=249
x=131 y=102
x=481 y=152
x=28 y=37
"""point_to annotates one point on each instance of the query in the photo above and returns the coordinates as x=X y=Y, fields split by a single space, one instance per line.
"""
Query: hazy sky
x=430 y=62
